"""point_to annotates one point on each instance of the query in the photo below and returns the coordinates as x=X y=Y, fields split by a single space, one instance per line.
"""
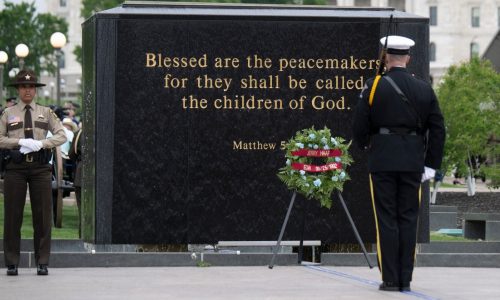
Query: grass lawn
x=439 y=237
x=69 y=228
x=450 y=185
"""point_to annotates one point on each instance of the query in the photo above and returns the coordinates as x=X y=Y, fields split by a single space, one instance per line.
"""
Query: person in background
x=75 y=154
x=11 y=101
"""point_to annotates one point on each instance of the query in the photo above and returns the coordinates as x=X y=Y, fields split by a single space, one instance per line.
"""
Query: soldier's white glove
x=429 y=173
x=25 y=150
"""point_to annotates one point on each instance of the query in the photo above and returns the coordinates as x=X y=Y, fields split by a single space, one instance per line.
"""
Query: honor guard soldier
x=394 y=114
x=23 y=130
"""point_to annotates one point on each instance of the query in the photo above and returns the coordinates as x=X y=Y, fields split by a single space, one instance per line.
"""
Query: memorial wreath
x=314 y=181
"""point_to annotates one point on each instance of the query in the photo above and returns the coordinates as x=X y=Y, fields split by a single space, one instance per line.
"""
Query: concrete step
x=86 y=260
x=56 y=245
x=460 y=247
x=147 y=259
x=442 y=208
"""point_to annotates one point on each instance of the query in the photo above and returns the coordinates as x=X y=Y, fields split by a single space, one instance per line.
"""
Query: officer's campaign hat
x=396 y=44
x=26 y=77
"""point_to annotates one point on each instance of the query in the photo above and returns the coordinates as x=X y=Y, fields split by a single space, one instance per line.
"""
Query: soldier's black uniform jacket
x=399 y=152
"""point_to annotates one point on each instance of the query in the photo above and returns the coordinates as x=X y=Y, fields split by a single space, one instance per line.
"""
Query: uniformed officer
x=394 y=114
x=23 y=130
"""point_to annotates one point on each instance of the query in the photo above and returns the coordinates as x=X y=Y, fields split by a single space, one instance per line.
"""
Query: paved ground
x=306 y=282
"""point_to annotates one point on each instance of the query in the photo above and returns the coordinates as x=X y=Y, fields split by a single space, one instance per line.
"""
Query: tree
x=470 y=101
x=19 y=23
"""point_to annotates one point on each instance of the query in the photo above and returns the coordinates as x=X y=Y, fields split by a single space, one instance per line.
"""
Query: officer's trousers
x=18 y=177
x=396 y=201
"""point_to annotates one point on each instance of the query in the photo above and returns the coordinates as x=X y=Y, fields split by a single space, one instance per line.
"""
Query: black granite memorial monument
x=186 y=108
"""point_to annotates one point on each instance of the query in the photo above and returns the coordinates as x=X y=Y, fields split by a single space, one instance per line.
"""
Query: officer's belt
x=41 y=156
x=31 y=157
x=397 y=130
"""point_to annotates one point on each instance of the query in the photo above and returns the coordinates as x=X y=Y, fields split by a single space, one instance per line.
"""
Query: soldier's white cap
x=397 y=44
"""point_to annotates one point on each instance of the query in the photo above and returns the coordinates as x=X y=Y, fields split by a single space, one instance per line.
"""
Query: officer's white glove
x=38 y=145
x=24 y=142
x=429 y=173
x=25 y=150
x=31 y=144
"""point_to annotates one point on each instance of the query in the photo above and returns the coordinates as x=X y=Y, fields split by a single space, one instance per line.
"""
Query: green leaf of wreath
x=316 y=185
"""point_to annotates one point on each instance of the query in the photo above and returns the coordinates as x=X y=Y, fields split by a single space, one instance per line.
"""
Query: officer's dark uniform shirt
x=399 y=152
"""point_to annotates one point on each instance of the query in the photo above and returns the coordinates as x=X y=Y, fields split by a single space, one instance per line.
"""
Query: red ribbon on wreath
x=314 y=168
x=317 y=153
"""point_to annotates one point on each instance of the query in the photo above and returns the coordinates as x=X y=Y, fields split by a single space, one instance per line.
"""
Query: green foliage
x=203 y=264
x=470 y=101
x=316 y=185
x=19 y=23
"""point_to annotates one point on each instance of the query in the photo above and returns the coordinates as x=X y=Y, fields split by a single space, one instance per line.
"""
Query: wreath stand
x=285 y=222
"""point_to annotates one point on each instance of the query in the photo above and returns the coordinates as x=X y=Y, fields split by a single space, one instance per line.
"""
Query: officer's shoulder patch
x=8 y=109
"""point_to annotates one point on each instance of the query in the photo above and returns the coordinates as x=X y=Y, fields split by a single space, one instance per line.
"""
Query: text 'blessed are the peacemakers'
x=253 y=82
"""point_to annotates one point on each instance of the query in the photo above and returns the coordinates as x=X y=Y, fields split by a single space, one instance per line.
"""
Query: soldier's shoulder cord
x=373 y=89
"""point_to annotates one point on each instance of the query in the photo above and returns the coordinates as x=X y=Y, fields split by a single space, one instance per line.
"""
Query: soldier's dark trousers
x=17 y=178
x=396 y=198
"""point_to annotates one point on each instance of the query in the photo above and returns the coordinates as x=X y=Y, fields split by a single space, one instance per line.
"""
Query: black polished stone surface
x=175 y=175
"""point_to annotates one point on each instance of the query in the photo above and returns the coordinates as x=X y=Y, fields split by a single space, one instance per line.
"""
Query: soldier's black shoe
x=389 y=286
x=12 y=270
x=405 y=287
x=42 y=270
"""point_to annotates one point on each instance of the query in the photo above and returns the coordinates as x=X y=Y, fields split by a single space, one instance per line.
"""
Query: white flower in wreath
x=307 y=184
x=300 y=145
x=323 y=140
x=342 y=175
x=312 y=136
x=310 y=145
x=303 y=177
x=315 y=146
x=317 y=182
x=288 y=162
x=326 y=147
x=335 y=178
x=338 y=159
x=334 y=141
x=302 y=172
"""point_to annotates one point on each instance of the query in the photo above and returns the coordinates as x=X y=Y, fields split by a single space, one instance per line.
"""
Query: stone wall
x=483 y=202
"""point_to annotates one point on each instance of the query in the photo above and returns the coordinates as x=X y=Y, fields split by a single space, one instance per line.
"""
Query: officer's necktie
x=28 y=130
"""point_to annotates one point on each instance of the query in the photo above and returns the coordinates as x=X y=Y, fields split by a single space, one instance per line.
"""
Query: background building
x=71 y=70
x=458 y=29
